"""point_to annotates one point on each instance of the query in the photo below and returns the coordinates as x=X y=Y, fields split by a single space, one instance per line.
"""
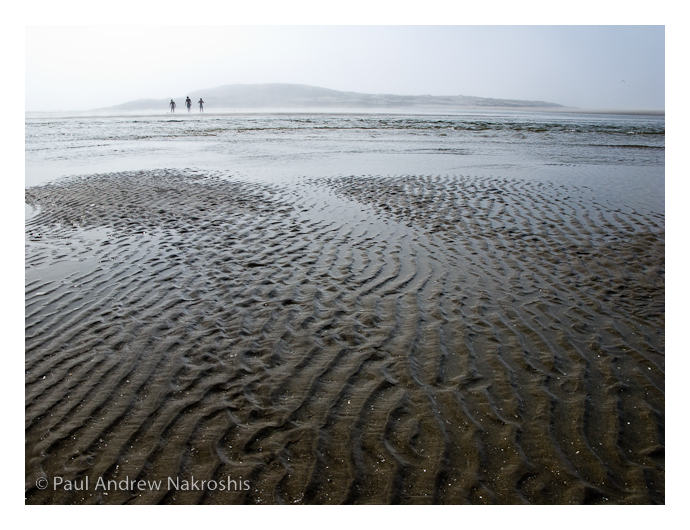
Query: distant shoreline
x=338 y=111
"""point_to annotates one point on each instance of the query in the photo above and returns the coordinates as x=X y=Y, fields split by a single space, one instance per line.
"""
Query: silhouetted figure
x=188 y=102
x=201 y=105
x=172 y=106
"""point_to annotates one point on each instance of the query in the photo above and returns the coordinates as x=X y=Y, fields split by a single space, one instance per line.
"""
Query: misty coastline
x=294 y=96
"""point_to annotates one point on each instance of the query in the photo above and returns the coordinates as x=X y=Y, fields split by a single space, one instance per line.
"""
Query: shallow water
x=621 y=155
x=346 y=308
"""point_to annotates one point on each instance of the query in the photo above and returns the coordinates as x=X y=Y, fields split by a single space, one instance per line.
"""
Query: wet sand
x=365 y=339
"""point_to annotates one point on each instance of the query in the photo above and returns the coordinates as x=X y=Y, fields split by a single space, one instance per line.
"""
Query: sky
x=589 y=67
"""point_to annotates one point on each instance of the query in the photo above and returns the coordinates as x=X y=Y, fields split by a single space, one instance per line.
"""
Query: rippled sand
x=364 y=339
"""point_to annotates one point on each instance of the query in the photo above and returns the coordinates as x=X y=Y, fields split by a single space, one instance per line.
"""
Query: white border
x=216 y=12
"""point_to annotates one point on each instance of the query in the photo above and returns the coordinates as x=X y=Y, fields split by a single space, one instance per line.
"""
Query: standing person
x=172 y=105
x=201 y=105
x=188 y=102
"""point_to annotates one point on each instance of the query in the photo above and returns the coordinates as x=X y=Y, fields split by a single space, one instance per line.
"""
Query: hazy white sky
x=75 y=68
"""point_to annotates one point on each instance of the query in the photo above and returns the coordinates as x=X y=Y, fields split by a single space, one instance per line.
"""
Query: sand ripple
x=364 y=339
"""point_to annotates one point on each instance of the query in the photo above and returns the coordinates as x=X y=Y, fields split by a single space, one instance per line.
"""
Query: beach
x=409 y=311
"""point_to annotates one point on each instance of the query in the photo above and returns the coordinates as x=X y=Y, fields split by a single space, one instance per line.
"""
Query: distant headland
x=293 y=96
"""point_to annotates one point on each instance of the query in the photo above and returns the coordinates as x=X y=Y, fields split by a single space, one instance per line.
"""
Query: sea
x=620 y=156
